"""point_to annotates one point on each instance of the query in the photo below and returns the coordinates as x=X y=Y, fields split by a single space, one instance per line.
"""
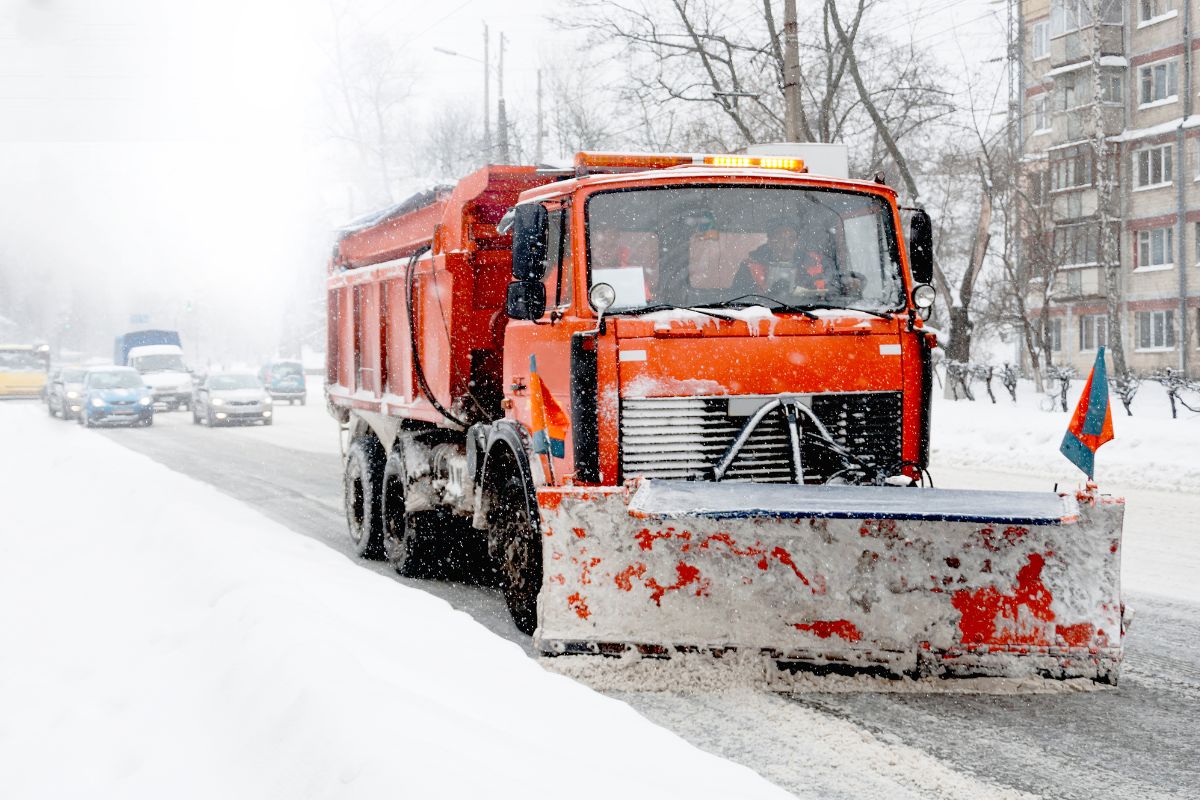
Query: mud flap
x=904 y=580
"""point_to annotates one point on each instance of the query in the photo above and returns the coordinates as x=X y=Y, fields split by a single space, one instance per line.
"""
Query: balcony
x=1077 y=46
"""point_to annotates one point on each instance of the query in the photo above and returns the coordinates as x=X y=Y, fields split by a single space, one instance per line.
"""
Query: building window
x=1155 y=330
x=1154 y=10
x=1065 y=84
x=1071 y=167
x=1067 y=16
x=1160 y=82
x=1093 y=331
x=1041 y=40
x=1054 y=334
x=1196 y=236
x=1041 y=114
x=1076 y=245
x=1156 y=248
x=1152 y=166
x=1112 y=89
x=1039 y=192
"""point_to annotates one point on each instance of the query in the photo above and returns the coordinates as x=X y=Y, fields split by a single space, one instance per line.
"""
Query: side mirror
x=529 y=243
x=920 y=246
x=526 y=300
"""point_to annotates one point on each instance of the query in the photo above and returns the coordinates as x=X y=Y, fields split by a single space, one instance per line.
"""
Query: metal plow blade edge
x=903 y=581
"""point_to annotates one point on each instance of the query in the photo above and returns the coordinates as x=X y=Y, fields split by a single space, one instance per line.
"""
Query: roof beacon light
x=589 y=163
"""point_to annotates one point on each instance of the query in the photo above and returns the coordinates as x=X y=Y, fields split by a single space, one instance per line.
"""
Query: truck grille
x=685 y=437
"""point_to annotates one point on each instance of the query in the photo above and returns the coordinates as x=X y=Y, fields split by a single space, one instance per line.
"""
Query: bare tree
x=453 y=142
x=366 y=94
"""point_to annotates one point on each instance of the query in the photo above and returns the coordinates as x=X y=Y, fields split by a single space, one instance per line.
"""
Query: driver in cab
x=789 y=270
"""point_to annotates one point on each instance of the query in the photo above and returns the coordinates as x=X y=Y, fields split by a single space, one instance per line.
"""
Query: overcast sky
x=160 y=155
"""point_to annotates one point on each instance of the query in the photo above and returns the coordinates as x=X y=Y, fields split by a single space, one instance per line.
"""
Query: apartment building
x=1148 y=112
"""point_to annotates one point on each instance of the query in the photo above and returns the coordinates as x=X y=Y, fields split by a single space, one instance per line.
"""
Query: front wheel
x=520 y=557
x=362 y=493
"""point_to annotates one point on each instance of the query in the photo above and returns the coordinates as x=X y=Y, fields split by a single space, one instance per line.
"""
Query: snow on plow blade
x=901 y=580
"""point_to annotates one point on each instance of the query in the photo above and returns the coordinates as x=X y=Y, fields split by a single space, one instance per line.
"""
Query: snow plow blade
x=901 y=581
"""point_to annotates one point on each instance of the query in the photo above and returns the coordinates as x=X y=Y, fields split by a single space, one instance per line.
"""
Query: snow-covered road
x=1137 y=740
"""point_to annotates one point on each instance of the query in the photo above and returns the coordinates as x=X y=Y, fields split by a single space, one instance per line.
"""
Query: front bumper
x=172 y=397
x=120 y=413
x=230 y=413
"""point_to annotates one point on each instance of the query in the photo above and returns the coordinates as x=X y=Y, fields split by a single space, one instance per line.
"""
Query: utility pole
x=541 y=133
x=501 y=117
x=791 y=72
x=487 y=99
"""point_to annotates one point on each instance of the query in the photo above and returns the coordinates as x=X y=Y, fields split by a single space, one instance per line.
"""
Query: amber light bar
x=586 y=163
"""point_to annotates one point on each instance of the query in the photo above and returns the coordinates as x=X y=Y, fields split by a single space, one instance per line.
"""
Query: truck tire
x=363 y=496
x=407 y=543
x=520 y=558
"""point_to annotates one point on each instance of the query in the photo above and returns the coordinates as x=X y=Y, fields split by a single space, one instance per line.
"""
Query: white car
x=231 y=397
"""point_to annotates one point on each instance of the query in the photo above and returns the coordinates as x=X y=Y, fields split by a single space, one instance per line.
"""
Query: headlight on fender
x=217 y=401
x=146 y=401
x=97 y=402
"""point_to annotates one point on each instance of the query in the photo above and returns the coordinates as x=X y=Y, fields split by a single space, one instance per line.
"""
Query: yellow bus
x=23 y=369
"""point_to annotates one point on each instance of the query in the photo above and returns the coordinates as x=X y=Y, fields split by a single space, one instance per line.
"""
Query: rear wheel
x=362 y=485
x=520 y=557
x=407 y=543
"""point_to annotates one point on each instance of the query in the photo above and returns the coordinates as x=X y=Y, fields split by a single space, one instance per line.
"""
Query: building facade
x=1129 y=74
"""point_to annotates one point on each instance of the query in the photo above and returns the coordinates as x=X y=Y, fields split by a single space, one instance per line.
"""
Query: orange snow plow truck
x=684 y=400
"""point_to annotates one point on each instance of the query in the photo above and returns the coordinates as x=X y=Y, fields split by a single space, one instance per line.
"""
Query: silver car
x=231 y=397
x=64 y=392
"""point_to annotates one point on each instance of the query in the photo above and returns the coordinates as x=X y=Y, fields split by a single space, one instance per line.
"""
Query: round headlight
x=147 y=400
x=923 y=295
x=97 y=402
x=602 y=296
x=217 y=401
x=267 y=400
x=72 y=395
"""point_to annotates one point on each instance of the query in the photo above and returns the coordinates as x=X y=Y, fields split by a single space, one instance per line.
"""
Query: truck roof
x=696 y=173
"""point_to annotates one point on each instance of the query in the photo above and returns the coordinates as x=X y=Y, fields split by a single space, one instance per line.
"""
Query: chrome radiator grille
x=685 y=437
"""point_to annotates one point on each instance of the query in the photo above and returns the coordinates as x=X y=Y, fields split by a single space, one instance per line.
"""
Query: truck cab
x=729 y=321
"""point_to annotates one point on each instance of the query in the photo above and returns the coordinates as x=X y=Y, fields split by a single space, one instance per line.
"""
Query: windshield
x=286 y=370
x=165 y=362
x=21 y=361
x=222 y=382
x=714 y=244
x=71 y=376
x=114 y=380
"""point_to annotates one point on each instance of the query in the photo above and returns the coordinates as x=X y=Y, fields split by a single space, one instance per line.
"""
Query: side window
x=558 y=260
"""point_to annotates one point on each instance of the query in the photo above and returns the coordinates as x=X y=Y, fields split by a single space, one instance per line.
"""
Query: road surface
x=1139 y=740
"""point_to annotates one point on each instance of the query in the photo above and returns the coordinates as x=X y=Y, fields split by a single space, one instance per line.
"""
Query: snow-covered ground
x=163 y=640
x=1154 y=463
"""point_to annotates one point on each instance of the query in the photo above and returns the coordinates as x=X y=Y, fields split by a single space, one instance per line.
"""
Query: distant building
x=1148 y=89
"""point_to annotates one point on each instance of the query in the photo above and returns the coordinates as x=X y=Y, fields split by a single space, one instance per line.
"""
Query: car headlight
x=146 y=400
x=267 y=400
x=97 y=402
x=72 y=395
x=217 y=401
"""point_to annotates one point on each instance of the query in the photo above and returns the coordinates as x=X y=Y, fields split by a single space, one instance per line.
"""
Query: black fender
x=506 y=438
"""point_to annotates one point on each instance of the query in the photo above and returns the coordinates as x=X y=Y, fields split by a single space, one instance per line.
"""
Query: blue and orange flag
x=1091 y=425
x=548 y=420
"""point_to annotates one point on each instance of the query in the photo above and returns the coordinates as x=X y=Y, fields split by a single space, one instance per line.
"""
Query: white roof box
x=821 y=158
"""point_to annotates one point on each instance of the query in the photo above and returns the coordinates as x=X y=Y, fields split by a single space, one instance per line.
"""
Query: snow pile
x=163 y=640
x=1150 y=450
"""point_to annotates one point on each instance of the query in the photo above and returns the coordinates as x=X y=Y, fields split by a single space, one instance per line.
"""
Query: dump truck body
x=725 y=460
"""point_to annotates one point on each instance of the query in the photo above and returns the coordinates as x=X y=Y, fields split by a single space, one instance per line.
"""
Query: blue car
x=116 y=395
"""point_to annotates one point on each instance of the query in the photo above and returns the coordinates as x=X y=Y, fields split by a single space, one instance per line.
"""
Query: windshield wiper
x=777 y=305
x=650 y=309
x=831 y=307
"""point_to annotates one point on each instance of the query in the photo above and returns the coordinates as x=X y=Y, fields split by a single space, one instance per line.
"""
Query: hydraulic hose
x=412 y=340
